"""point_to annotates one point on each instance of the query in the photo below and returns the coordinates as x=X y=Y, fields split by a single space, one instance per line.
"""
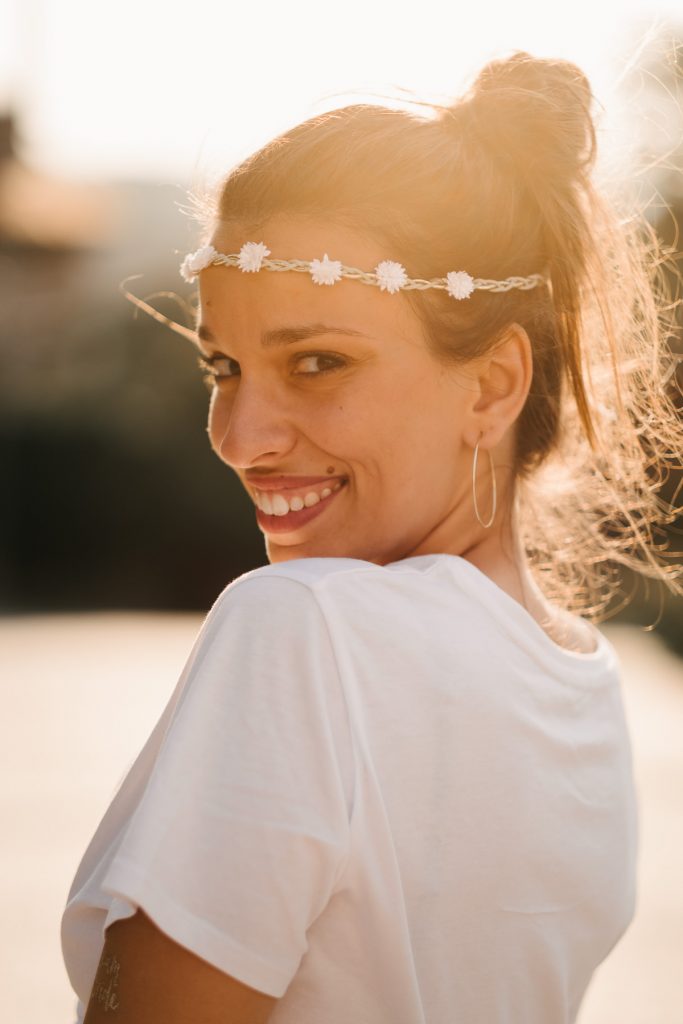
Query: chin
x=286 y=552
x=276 y=551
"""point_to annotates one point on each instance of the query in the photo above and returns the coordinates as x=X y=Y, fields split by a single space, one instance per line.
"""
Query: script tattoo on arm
x=145 y=977
x=106 y=983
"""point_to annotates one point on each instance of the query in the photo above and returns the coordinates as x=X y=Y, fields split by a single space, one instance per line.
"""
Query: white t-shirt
x=381 y=793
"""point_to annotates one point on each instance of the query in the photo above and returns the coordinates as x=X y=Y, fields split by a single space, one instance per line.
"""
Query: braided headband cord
x=388 y=275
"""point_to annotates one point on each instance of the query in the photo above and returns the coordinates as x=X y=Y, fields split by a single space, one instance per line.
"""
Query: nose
x=250 y=424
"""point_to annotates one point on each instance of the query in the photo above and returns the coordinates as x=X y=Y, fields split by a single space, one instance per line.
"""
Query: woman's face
x=343 y=428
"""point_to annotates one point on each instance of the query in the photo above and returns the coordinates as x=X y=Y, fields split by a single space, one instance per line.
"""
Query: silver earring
x=474 y=487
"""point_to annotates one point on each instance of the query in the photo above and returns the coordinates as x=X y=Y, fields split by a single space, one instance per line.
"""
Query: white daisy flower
x=391 y=276
x=459 y=284
x=252 y=255
x=196 y=261
x=326 y=271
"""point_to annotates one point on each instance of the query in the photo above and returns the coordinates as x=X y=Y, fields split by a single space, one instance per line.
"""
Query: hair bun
x=534 y=113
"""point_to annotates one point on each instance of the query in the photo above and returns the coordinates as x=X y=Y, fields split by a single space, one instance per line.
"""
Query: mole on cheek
x=330 y=469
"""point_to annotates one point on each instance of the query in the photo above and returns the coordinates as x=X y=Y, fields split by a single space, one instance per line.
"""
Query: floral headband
x=388 y=275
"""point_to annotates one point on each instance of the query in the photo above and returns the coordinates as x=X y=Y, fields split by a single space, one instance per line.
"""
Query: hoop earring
x=474 y=490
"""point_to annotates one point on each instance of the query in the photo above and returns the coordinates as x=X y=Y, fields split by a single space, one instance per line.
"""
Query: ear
x=503 y=379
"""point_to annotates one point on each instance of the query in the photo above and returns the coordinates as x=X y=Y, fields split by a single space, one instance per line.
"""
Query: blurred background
x=118 y=526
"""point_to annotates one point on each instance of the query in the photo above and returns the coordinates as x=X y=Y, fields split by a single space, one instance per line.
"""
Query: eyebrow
x=287 y=335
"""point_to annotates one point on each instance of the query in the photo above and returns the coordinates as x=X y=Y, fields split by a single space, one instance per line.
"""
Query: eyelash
x=212 y=377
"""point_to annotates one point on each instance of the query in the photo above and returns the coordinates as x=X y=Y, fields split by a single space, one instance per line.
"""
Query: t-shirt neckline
x=516 y=616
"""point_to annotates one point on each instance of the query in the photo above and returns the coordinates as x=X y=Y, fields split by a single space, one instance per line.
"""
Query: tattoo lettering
x=107 y=982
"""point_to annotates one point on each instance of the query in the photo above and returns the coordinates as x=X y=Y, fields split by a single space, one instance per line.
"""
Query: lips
x=295 y=519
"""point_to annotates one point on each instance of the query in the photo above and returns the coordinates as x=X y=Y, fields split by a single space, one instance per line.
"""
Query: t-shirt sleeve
x=241 y=833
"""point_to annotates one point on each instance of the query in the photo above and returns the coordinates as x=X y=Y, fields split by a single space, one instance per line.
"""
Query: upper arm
x=144 y=977
x=239 y=833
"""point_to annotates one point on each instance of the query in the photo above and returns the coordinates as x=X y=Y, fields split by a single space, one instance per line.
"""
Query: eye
x=217 y=368
x=316 y=363
x=220 y=368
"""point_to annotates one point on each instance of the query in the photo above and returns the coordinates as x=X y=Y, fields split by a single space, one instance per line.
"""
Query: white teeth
x=280 y=505
x=266 y=503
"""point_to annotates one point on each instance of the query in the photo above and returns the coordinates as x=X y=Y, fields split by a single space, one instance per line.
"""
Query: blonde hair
x=500 y=182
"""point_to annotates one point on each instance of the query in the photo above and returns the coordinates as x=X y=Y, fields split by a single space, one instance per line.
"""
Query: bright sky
x=168 y=91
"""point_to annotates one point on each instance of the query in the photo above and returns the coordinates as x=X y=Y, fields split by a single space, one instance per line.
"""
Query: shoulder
x=266 y=634
x=343 y=592
x=297 y=600
x=306 y=571
x=297 y=583
x=338 y=579
x=276 y=607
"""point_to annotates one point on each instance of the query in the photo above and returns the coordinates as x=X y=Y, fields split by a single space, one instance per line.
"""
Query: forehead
x=268 y=299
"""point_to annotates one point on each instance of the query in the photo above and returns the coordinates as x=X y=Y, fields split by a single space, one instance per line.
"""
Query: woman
x=394 y=782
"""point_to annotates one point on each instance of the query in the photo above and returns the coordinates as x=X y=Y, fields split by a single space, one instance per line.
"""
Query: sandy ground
x=81 y=693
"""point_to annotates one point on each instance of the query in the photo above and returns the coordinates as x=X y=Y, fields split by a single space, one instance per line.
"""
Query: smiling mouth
x=282 y=511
